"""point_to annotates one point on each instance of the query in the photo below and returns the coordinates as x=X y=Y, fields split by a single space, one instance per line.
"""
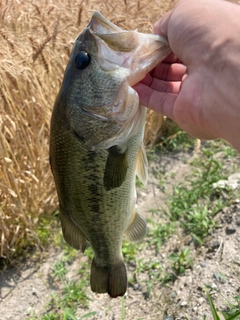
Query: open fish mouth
x=102 y=95
x=137 y=52
x=130 y=55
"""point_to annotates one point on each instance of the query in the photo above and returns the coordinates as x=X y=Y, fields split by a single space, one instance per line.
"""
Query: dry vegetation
x=36 y=39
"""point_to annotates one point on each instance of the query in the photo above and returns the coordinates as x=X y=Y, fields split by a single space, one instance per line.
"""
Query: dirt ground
x=29 y=288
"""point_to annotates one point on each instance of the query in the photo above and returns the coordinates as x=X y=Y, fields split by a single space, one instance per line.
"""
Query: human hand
x=201 y=93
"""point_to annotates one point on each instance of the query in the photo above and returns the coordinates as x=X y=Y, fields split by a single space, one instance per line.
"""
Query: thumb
x=161 y=26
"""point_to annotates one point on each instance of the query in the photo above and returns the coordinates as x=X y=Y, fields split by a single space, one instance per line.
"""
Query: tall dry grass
x=35 y=39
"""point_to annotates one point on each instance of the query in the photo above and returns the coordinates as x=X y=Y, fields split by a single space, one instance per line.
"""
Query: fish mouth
x=136 y=52
x=100 y=24
x=129 y=55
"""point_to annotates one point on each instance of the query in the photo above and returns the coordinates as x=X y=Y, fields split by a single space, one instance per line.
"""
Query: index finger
x=172 y=58
x=169 y=72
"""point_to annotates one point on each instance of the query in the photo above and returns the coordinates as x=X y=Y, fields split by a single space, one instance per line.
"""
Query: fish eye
x=82 y=60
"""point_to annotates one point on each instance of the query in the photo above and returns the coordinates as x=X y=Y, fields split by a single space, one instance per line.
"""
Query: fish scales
x=96 y=145
x=82 y=190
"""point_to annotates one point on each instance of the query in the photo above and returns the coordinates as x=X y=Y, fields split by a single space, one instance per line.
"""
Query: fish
x=96 y=145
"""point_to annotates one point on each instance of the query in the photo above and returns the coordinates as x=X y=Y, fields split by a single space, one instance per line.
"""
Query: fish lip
x=98 y=22
x=136 y=53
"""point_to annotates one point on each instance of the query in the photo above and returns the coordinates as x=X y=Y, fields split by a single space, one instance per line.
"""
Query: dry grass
x=36 y=38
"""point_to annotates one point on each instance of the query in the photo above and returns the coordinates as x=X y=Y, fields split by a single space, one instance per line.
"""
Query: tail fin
x=109 y=279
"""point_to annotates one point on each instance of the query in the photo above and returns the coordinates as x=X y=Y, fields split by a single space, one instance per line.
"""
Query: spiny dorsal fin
x=142 y=165
x=137 y=230
x=72 y=235
x=115 y=168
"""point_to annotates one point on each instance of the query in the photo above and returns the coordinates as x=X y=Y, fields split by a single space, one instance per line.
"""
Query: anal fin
x=71 y=233
x=109 y=279
x=137 y=230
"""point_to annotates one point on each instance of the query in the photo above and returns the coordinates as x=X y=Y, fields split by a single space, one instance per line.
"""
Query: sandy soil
x=216 y=264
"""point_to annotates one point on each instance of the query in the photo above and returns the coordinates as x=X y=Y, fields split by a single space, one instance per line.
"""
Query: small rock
x=34 y=292
x=203 y=264
x=232 y=182
x=29 y=310
x=214 y=286
x=168 y=318
x=219 y=277
x=195 y=309
x=136 y=286
x=215 y=245
x=234 y=177
x=201 y=300
x=220 y=184
x=238 y=222
x=183 y=303
x=230 y=230
x=146 y=295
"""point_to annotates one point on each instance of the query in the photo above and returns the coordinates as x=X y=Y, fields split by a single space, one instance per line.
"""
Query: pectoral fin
x=137 y=230
x=115 y=168
x=142 y=165
x=72 y=235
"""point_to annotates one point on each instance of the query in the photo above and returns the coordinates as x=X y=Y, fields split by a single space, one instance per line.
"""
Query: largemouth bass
x=96 y=145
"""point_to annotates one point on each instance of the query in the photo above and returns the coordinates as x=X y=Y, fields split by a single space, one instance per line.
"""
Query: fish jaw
x=129 y=55
x=99 y=23
x=137 y=53
x=130 y=118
